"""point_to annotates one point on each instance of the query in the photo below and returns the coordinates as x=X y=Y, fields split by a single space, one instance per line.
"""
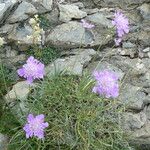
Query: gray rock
x=146 y=50
x=52 y=18
x=42 y=6
x=11 y=57
x=145 y=25
x=70 y=35
x=19 y=36
x=142 y=37
x=100 y=19
x=68 y=12
x=16 y=99
x=7 y=29
x=23 y=12
x=79 y=4
x=91 y=11
x=121 y=3
x=142 y=136
x=19 y=58
x=19 y=91
x=3 y=142
x=73 y=35
x=146 y=79
x=72 y=64
x=145 y=11
x=6 y=7
x=147 y=111
x=7 y=52
x=134 y=17
x=133 y=121
x=132 y=96
x=128 y=45
x=131 y=52
x=2 y=8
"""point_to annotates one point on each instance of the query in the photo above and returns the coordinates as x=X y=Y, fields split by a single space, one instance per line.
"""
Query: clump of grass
x=7 y=120
x=46 y=54
x=6 y=79
x=78 y=119
x=44 y=22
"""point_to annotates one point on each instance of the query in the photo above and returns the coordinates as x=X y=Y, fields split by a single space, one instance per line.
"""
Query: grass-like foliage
x=6 y=79
x=7 y=120
x=78 y=119
x=46 y=54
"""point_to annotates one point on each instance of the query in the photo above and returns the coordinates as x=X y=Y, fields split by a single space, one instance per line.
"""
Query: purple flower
x=118 y=41
x=35 y=126
x=87 y=25
x=106 y=83
x=33 y=69
x=122 y=25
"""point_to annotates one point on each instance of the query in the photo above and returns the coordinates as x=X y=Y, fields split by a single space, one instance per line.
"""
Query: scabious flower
x=87 y=25
x=106 y=84
x=35 y=126
x=122 y=26
x=33 y=69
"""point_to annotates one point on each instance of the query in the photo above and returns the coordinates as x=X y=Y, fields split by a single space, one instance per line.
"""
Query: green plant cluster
x=45 y=54
x=78 y=119
x=7 y=119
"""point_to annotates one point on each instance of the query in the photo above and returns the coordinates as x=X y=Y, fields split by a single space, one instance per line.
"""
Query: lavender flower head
x=106 y=84
x=87 y=25
x=35 y=126
x=33 y=69
x=122 y=26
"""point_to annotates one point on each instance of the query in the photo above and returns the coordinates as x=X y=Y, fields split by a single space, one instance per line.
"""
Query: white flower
x=1 y=41
x=32 y=21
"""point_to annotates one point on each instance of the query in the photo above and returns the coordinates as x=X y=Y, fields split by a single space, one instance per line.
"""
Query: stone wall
x=131 y=60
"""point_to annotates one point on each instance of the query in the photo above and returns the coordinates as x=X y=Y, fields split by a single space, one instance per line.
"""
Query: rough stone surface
x=3 y=142
x=134 y=121
x=61 y=20
x=19 y=91
x=128 y=45
x=70 y=34
x=16 y=99
x=100 y=19
x=7 y=29
x=42 y=6
x=73 y=34
x=142 y=135
x=123 y=4
x=72 y=64
x=6 y=7
x=23 y=12
x=145 y=11
x=53 y=18
x=19 y=36
x=68 y=12
x=141 y=37
x=147 y=112
x=134 y=99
